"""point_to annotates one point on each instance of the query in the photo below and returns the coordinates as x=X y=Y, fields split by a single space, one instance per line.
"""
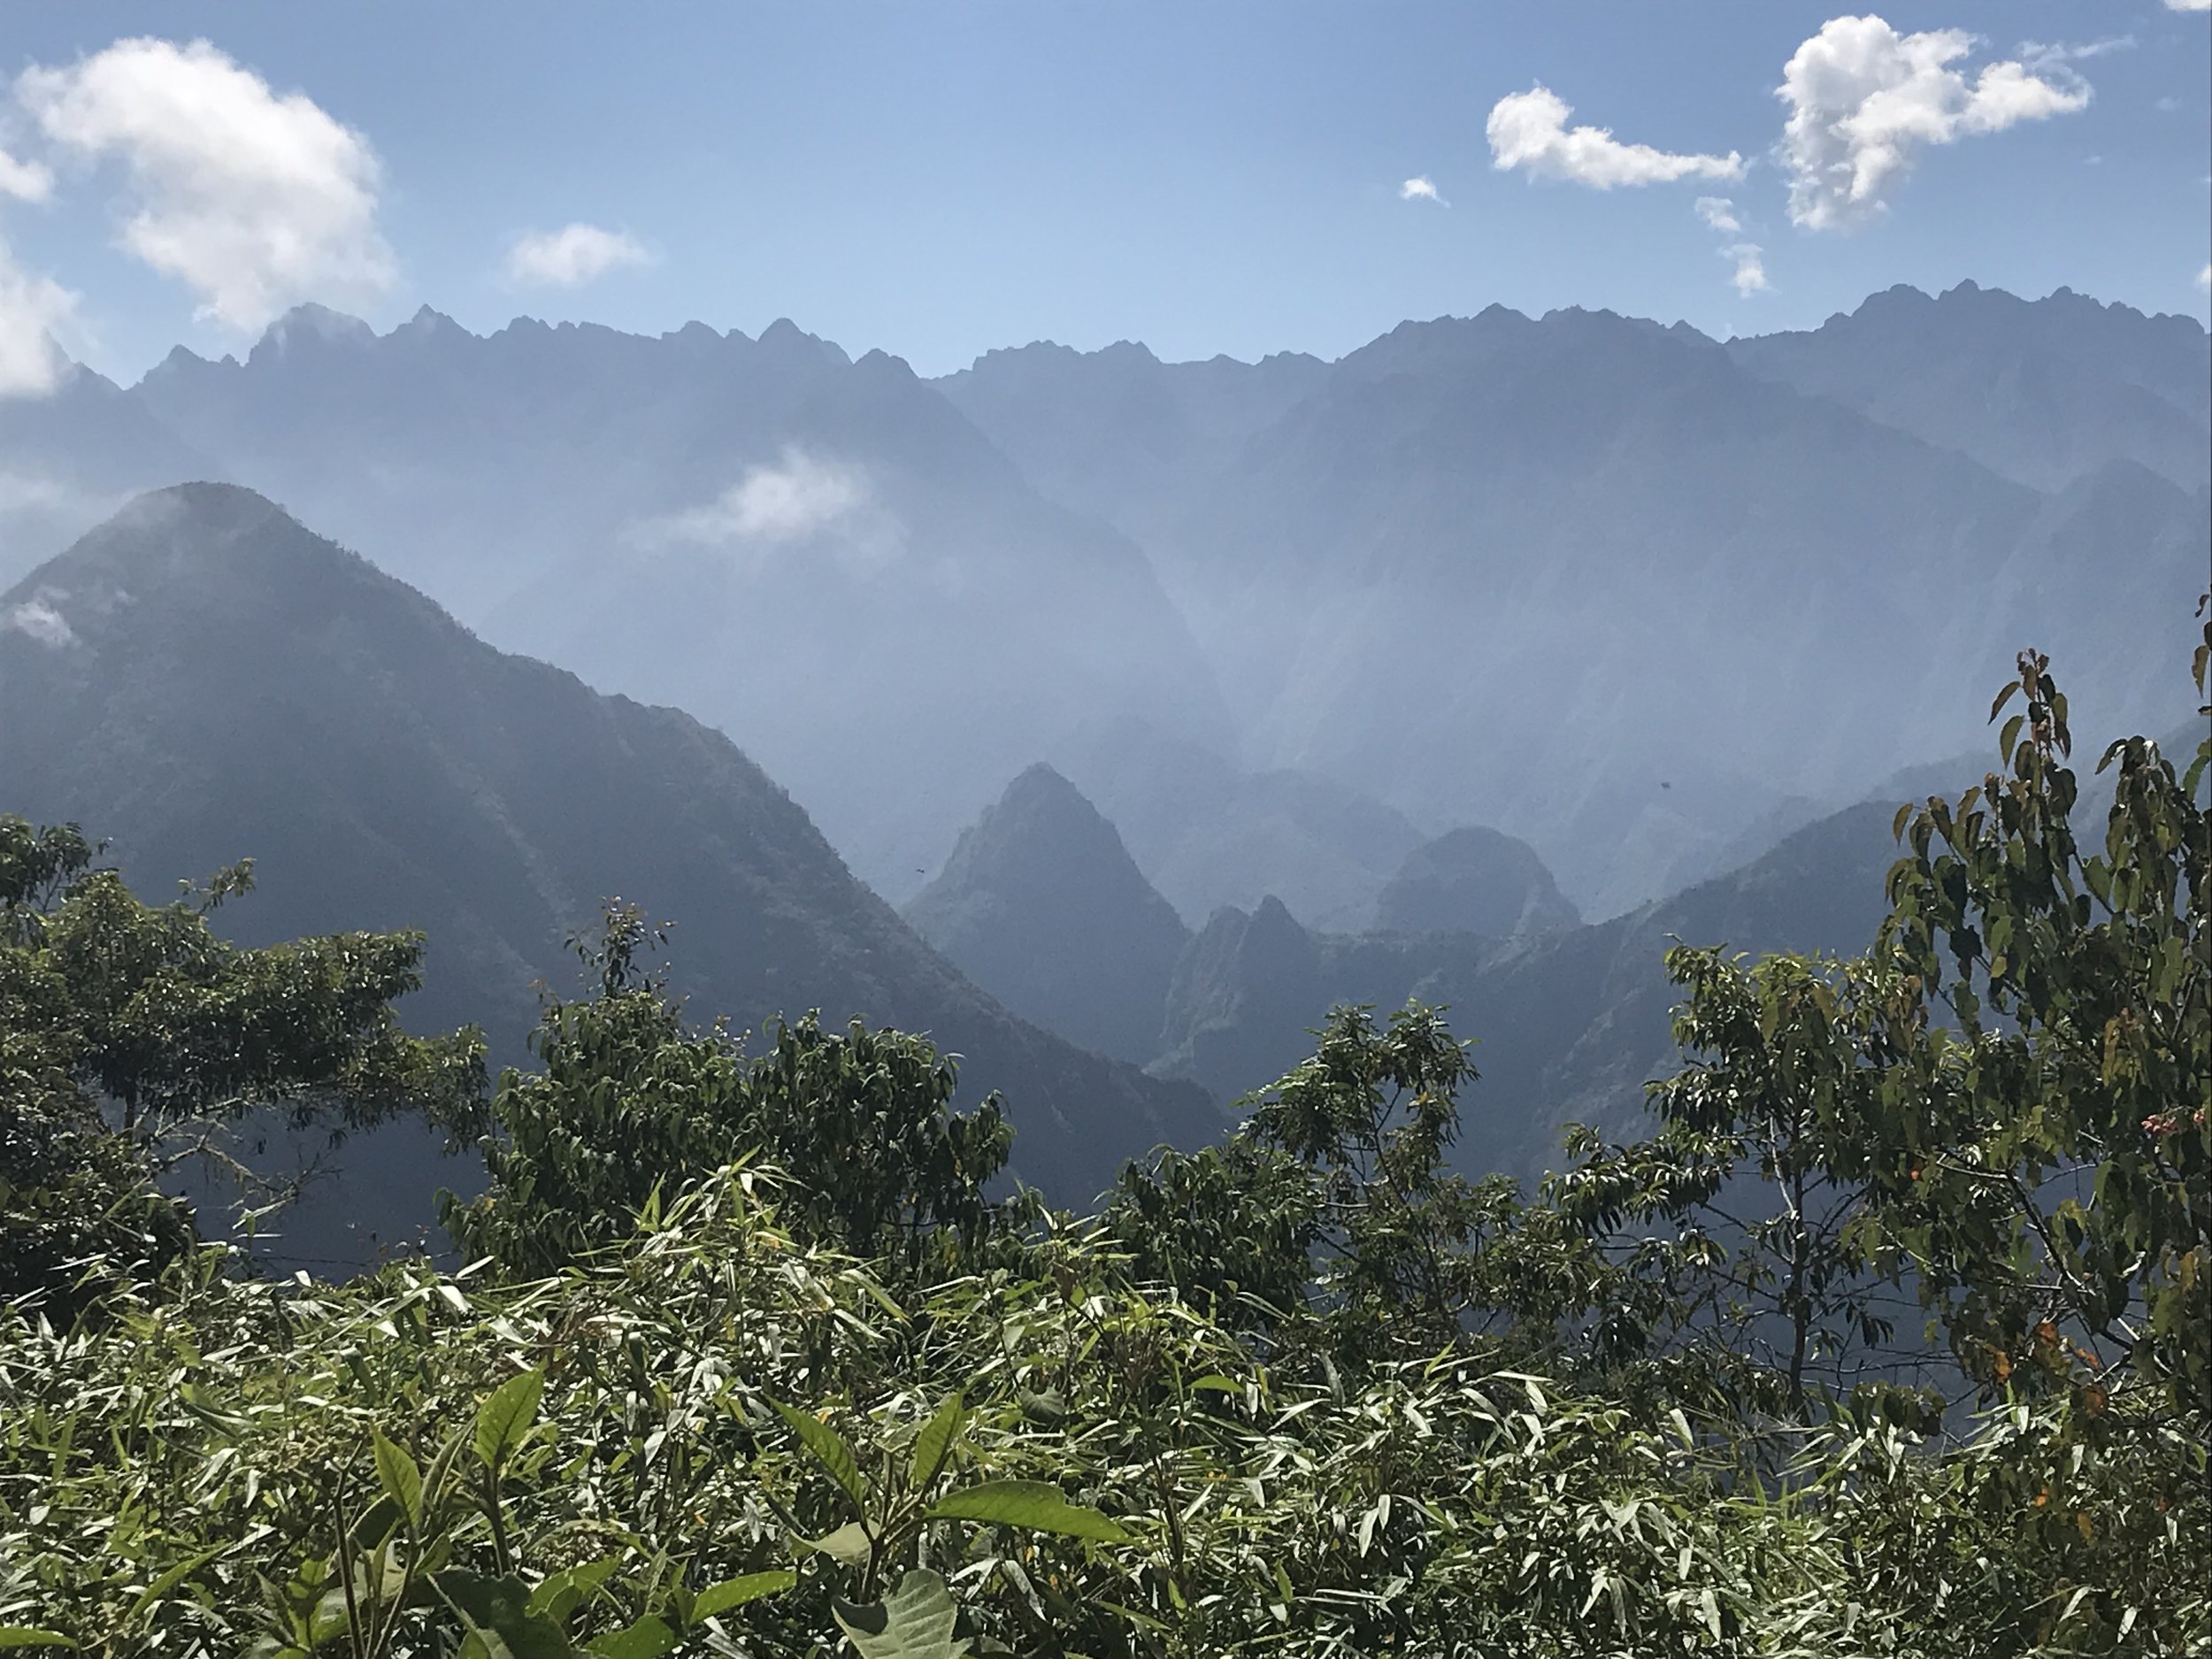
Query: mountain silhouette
x=1042 y=905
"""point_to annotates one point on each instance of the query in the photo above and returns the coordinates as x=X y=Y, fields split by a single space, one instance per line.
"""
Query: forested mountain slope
x=204 y=679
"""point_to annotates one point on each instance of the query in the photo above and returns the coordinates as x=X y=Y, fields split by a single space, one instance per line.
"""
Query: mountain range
x=1641 y=599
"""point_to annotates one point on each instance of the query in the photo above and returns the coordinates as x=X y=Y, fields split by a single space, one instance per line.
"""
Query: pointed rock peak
x=1274 y=918
x=877 y=361
x=784 y=338
x=1041 y=783
x=427 y=324
x=1129 y=351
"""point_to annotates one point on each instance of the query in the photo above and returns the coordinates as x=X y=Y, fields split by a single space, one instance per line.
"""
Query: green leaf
x=24 y=1636
x=849 y=1543
x=506 y=1416
x=170 y=1579
x=497 y=1614
x=1028 y=1503
x=914 y=1621
x=401 y=1480
x=720 y=1598
x=558 y=1596
x=932 y=1446
x=647 y=1639
x=829 y=1450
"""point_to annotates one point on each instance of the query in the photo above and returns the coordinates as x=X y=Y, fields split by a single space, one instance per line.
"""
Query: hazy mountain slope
x=1117 y=433
x=1041 y=906
x=1569 y=1024
x=1473 y=880
x=822 y=557
x=1597 y=583
x=70 y=459
x=2043 y=391
x=1208 y=833
x=230 y=684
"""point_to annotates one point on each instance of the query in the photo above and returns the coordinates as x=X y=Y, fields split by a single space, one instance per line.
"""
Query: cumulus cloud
x=1719 y=213
x=1864 y=100
x=37 y=617
x=797 y=500
x=571 y=256
x=31 y=308
x=254 y=200
x=1529 y=130
x=1421 y=189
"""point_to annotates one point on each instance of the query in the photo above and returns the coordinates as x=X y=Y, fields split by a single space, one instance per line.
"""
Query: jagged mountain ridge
x=2044 y=392
x=1569 y=1024
x=210 y=680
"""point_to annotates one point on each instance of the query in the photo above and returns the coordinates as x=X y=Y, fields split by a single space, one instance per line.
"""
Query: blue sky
x=940 y=178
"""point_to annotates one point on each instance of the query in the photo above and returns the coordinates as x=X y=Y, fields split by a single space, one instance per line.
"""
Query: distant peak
x=312 y=323
x=785 y=338
x=1040 y=780
x=428 y=323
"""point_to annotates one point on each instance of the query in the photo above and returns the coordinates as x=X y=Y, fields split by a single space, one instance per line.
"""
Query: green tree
x=114 y=1009
x=630 y=1102
x=2047 y=1160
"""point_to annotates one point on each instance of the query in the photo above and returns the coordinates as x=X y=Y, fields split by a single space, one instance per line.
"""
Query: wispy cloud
x=776 y=508
x=1750 y=274
x=32 y=307
x=254 y=200
x=24 y=180
x=1528 y=131
x=2189 y=6
x=2204 y=278
x=2043 y=55
x=1719 y=213
x=37 y=617
x=1864 y=100
x=572 y=256
x=1421 y=189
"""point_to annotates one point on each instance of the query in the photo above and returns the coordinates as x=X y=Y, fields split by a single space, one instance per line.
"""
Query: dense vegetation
x=1894 y=1335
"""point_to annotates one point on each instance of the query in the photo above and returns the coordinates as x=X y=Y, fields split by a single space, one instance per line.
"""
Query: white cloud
x=2204 y=278
x=255 y=200
x=24 y=180
x=37 y=617
x=1529 y=130
x=31 y=308
x=1719 y=213
x=1421 y=189
x=1865 y=99
x=571 y=256
x=1750 y=276
x=798 y=499
x=2189 y=6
